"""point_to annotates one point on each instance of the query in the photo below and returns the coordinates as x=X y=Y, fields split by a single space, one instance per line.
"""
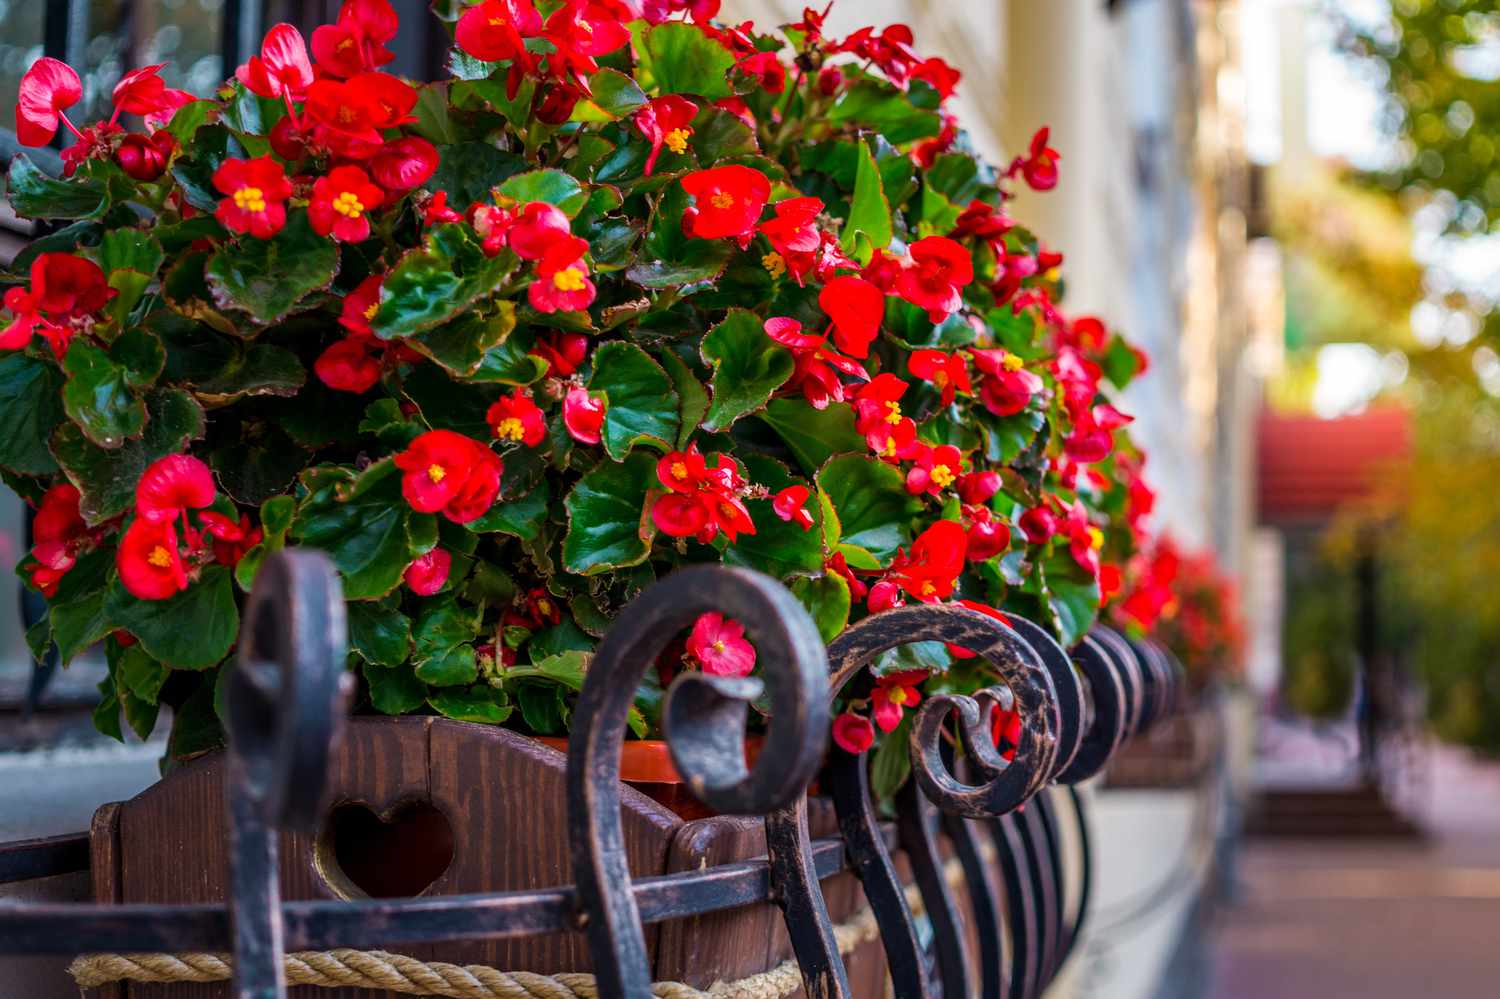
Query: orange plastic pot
x=646 y=765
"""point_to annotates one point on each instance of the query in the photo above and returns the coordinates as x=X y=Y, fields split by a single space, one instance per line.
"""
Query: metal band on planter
x=286 y=703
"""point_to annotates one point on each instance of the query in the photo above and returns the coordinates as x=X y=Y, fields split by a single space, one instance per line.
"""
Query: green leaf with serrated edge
x=394 y=691
x=266 y=278
x=748 y=366
x=643 y=405
x=106 y=479
x=254 y=369
x=1005 y=437
x=97 y=399
x=467 y=170
x=671 y=259
x=490 y=584
x=522 y=517
x=212 y=145
x=461 y=345
x=826 y=598
x=106 y=714
x=450 y=668
x=30 y=407
x=252 y=456
x=693 y=398
x=433 y=283
x=681 y=59
x=814 y=435
x=76 y=610
x=873 y=505
x=886 y=111
x=35 y=195
x=422 y=532
x=140 y=674
x=193 y=629
x=608 y=526
x=360 y=521
x=140 y=355
x=441 y=625
x=559 y=639
x=778 y=547
x=718 y=134
x=1072 y=597
x=433 y=121
x=184 y=288
x=551 y=186
x=614 y=96
x=130 y=259
x=869 y=212
x=187 y=119
x=482 y=704
x=70 y=238
x=276 y=516
x=1121 y=364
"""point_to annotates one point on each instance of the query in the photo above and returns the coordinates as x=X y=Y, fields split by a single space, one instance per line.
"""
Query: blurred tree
x=1439 y=61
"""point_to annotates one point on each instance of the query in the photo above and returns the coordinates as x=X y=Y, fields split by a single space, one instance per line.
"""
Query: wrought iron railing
x=287 y=700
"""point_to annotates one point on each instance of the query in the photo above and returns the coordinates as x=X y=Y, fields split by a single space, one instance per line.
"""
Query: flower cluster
x=631 y=290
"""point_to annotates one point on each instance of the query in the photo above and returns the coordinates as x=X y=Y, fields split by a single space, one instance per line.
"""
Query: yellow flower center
x=348 y=205
x=727 y=509
x=679 y=471
x=722 y=200
x=718 y=645
x=373 y=308
x=510 y=429
x=348 y=41
x=159 y=557
x=346 y=115
x=1012 y=362
x=897 y=695
x=437 y=473
x=676 y=140
x=940 y=379
x=928 y=588
x=1096 y=538
x=892 y=412
x=890 y=447
x=943 y=476
x=250 y=199
x=568 y=279
x=774 y=263
x=544 y=606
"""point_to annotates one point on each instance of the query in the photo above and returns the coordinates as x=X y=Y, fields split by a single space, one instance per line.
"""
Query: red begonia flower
x=794 y=229
x=666 y=121
x=516 y=418
x=289 y=139
x=1039 y=165
x=535 y=229
x=884 y=595
x=767 y=69
x=988 y=535
x=679 y=515
x=171 y=486
x=427 y=573
x=144 y=157
x=728 y=201
x=25 y=318
x=66 y=286
x=1093 y=434
x=437 y=211
x=682 y=471
x=497 y=30
x=562 y=283
x=788 y=332
x=790 y=504
x=346 y=114
x=943 y=77
x=893 y=694
x=47 y=89
x=282 y=69
x=931 y=569
x=948 y=373
x=583 y=415
x=1005 y=730
x=143 y=92
x=360 y=306
x=719 y=645
x=702 y=11
x=1006 y=387
x=1039 y=524
x=150 y=565
x=817 y=367
x=349 y=365
x=856 y=307
x=936 y=469
x=853 y=733
x=256 y=192
x=978 y=487
x=939 y=270
x=404 y=164
x=563 y=352
x=356 y=42
x=391 y=98
x=232 y=539
x=57 y=516
x=451 y=473
x=341 y=203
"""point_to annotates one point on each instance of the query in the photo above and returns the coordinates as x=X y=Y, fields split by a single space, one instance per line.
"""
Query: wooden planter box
x=436 y=807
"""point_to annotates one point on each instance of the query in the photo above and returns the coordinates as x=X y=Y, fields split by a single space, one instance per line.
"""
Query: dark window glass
x=21 y=34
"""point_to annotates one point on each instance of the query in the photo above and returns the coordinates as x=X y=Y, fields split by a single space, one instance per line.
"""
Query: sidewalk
x=1328 y=919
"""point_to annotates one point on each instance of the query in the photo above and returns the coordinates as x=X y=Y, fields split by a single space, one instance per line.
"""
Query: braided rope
x=375 y=969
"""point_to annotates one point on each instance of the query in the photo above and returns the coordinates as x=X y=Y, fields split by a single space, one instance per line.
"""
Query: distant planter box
x=429 y=806
x=1177 y=753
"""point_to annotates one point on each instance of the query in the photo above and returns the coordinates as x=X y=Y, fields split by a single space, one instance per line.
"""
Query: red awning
x=1310 y=467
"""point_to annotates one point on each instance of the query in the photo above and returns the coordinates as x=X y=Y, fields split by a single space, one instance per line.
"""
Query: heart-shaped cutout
x=399 y=853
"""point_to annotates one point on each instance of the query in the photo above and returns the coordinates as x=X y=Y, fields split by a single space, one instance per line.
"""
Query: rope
x=375 y=969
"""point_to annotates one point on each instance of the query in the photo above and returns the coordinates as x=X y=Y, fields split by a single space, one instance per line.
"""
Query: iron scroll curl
x=703 y=720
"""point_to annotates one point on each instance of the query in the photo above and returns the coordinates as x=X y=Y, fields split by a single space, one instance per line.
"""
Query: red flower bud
x=145 y=157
